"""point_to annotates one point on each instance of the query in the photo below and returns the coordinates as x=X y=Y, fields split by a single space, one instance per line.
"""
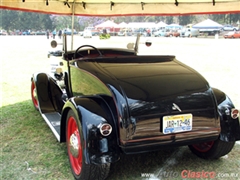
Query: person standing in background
x=60 y=34
x=54 y=33
x=47 y=34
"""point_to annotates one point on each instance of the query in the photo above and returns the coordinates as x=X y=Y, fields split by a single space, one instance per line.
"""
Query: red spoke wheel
x=74 y=145
x=203 y=147
x=34 y=95
x=75 y=148
x=212 y=149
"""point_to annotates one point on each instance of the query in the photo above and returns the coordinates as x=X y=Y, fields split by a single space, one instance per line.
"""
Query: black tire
x=212 y=149
x=34 y=95
x=81 y=170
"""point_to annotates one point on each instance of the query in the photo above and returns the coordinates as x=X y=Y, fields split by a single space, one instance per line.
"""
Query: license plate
x=177 y=123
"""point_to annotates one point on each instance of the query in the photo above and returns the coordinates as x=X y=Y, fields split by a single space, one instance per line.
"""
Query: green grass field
x=30 y=151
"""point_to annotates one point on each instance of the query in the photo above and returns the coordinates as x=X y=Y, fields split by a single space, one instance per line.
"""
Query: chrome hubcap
x=74 y=145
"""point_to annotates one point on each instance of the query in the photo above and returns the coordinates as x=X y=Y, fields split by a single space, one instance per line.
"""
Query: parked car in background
x=40 y=33
x=229 y=27
x=135 y=32
x=189 y=32
x=69 y=32
x=16 y=32
x=95 y=32
x=87 y=33
x=121 y=33
x=172 y=33
x=232 y=35
x=161 y=32
x=3 y=33
x=26 y=32
x=176 y=33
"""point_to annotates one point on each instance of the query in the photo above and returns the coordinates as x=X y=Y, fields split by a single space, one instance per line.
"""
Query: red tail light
x=235 y=113
x=105 y=129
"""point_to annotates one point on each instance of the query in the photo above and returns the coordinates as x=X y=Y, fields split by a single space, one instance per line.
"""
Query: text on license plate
x=177 y=123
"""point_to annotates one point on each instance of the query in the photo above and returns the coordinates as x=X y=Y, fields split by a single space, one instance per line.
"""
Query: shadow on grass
x=31 y=151
x=150 y=165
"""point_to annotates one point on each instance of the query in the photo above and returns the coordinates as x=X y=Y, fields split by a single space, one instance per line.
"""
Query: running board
x=53 y=121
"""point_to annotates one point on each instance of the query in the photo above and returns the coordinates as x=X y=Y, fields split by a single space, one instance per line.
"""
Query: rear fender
x=230 y=128
x=48 y=93
x=92 y=112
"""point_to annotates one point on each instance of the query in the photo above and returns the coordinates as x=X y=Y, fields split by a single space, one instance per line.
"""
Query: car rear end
x=160 y=102
x=178 y=120
x=167 y=103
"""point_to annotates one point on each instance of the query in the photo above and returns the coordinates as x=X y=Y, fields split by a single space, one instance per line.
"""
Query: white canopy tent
x=123 y=7
x=107 y=24
x=208 y=24
x=142 y=25
x=122 y=25
x=161 y=24
x=174 y=26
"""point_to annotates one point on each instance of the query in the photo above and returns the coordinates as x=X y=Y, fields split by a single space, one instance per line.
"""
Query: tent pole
x=73 y=11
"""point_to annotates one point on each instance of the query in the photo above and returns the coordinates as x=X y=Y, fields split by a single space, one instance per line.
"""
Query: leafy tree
x=233 y=18
x=226 y=18
x=91 y=21
x=169 y=19
x=8 y=19
x=46 y=22
x=64 y=22
x=220 y=18
x=184 y=20
x=18 y=20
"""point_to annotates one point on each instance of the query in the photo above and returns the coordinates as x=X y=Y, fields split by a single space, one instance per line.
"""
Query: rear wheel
x=75 y=148
x=212 y=149
x=34 y=95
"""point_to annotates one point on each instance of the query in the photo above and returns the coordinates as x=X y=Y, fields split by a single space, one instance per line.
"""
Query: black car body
x=114 y=101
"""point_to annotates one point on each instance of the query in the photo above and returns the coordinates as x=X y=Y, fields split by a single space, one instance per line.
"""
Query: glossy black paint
x=230 y=128
x=48 y=93
x=133 y=93
x=92 y=112
x=144 y=89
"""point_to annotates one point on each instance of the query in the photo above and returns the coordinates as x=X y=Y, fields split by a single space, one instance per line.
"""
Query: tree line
x=18 y=20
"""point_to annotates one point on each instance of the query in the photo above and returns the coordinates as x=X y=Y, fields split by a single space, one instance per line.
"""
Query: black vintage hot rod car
x=112 y=101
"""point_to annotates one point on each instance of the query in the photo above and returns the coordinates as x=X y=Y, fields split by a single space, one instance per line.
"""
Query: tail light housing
x=105 y=129
x=234 y=113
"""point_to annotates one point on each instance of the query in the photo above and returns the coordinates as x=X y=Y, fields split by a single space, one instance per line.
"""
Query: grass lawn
x=30 y=151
